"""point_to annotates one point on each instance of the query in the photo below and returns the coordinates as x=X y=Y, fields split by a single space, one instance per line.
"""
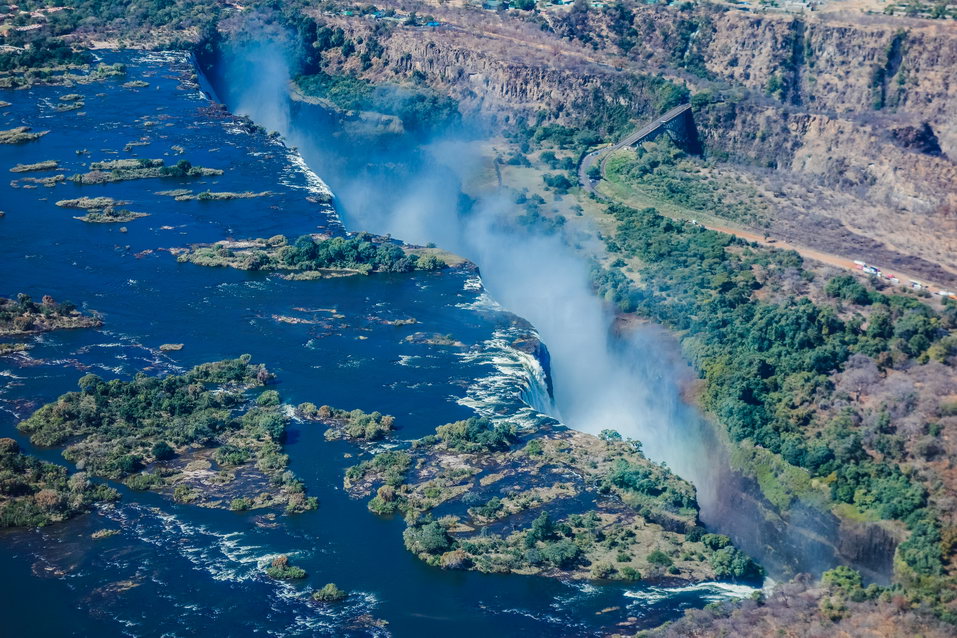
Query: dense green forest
x=310 y=253
x=34 y=493
x=768 y=365
x=136 y=430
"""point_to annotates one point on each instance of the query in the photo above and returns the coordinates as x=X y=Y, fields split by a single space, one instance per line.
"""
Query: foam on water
x=518 y=389
x=710 y=591
x=223 y=556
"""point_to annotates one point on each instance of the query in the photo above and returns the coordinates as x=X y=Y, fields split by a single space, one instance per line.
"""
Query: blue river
x=178 y=570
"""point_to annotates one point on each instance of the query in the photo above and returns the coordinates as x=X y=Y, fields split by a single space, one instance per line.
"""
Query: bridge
x=675 y=122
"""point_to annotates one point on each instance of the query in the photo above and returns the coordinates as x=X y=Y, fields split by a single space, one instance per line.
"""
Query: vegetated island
x=20 y=135
x=101 y=209
x=317 y=256
x=554 y=502
x=91 y=203
x=354 y=425
x=36 y=493
x=129 y=169
x=110 y=215
x=22 y=316
x=281 y=569
x=51 y=62
x=47 y=165
x=70 y=102
x=197 y=436
x=186 y=195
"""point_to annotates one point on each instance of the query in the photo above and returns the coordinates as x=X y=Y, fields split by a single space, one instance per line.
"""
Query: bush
x=630 y=573
x=231 y=455
x=476 y=434
x=184 y=494
x=269 y=398
x=330 y=593
x=562 y=554
x=715 y=541
x=730 y=562
x=143 y=482
x=282 y=570
x=430 y=538
x=162 y=451
x=659 y=558
x=848 y=288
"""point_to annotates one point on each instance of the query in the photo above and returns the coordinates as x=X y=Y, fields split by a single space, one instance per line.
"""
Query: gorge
x=342 y=330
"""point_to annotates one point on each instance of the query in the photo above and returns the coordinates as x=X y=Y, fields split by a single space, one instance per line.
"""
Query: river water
x=412 y=187
x=177 y=570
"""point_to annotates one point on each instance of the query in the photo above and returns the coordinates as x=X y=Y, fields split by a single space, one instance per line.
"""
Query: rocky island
x=23 y=316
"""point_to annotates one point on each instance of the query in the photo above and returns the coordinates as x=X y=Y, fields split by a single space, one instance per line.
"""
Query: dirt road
x=827 y=258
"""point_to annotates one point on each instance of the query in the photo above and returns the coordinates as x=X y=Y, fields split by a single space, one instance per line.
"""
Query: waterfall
x=519 y=388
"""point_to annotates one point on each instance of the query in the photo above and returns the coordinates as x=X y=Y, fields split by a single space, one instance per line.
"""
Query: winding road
x=601 y=155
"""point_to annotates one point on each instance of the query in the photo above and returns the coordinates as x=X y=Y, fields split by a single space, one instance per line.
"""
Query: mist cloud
x=626 y=383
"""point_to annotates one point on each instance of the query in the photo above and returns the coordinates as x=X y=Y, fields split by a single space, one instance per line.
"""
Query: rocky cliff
x=861 y=105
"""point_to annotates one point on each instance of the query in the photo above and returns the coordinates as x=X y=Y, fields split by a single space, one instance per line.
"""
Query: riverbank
x=337 y=340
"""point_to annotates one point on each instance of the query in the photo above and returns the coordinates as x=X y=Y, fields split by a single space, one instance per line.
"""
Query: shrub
x=630 y=573
x=563 y=553
x=430 y=538
x=330 y=593
x=144 y=481
x=162 y=451
x=476 y=434
x=269 y=398
x=282 y=570
x=730 y=562
x=659 y=558
x=184 y=494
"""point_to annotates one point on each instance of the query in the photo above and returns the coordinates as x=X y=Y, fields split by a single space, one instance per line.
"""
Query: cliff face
x=496 y=75
x=796 y=95
x=908 y=201
x=876 y=67
x=875 y=70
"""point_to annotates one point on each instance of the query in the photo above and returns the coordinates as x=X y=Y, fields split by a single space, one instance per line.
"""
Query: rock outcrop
x=861 y=105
